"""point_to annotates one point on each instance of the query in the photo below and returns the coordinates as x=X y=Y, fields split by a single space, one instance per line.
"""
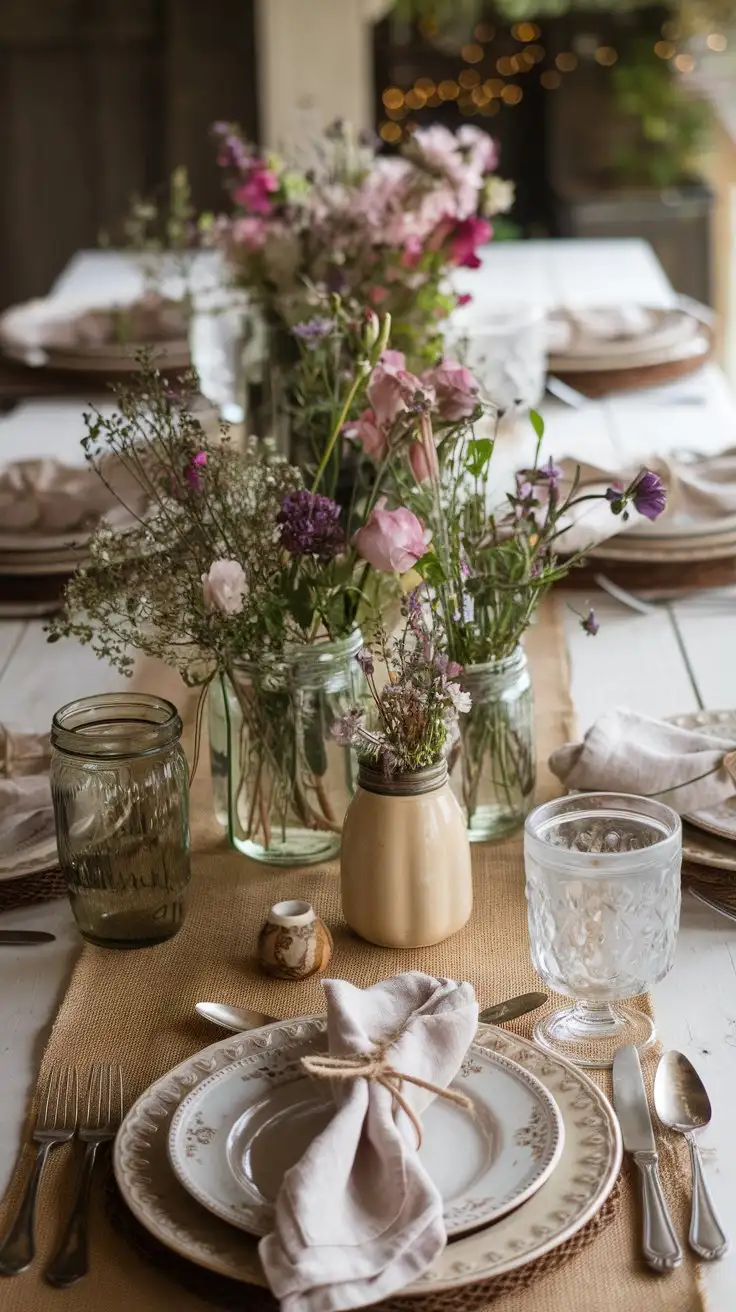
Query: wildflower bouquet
x=382 y=231
x=253 y=586
x=415 y=711
x=487 y=570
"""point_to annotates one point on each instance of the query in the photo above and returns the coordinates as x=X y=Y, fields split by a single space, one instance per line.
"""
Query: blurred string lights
x=503 y=86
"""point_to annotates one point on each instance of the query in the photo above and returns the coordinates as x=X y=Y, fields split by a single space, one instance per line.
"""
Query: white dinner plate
x=573 y=1194
x=623 y=547
x=236 y=1135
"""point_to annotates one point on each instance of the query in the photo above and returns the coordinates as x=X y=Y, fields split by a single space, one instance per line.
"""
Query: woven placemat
x=27 y=889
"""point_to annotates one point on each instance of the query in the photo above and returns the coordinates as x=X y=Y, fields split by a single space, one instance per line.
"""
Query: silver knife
x=660 y=1245
x=18 y=936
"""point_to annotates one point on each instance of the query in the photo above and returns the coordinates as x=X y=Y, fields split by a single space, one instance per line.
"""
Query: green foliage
x=664 y=125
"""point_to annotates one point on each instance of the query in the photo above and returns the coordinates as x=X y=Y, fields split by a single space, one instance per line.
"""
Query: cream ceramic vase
x=405 y=859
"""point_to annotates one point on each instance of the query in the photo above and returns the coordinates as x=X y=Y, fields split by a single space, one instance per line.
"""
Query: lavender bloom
x=313 y=331
x=365 y=661
x=310 y=525
x=347 y=729
x=590 y=624
x=649 y=495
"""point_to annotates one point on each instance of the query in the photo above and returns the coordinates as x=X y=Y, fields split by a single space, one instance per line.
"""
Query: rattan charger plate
x=604 y=382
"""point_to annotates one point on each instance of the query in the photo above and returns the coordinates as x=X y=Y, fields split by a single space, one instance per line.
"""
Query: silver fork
x=56 y=1123
x=102 y=1118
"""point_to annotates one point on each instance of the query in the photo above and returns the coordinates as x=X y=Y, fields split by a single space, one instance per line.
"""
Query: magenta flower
x=456 y=390
x=192 y=472
x=310 y=525
x=649 y=495
x=392 y=540
x=465 y=237
x=254 y=193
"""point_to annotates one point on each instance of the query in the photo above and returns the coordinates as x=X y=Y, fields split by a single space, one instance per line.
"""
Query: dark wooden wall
x=101 y=98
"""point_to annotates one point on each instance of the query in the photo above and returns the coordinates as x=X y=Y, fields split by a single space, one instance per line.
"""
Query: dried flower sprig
x=415 y=711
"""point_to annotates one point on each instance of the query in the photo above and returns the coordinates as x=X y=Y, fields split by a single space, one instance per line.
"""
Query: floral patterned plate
x=233 y=1139
x=573 y=1194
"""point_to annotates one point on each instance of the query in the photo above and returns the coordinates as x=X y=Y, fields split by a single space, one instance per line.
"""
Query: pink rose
x=391 y=540
x=419 y=462
x=224 y=587
x=464 y=239
x=456 y=389
x=482 y=150
x=391 y=391
x=250 y=233
x=366 y=432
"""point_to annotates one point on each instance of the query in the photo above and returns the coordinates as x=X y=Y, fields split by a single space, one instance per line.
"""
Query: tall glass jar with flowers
x=486 y=571
x=405 y=861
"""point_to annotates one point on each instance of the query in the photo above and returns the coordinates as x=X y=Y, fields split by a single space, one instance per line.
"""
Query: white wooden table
x=678 y=659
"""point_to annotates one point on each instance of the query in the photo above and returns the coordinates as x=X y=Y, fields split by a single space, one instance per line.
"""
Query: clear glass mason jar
x=281 y=783
x=119 y=783
x=494 y=770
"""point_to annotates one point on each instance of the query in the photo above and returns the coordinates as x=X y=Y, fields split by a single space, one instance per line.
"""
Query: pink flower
x=419 y=462
x=464 y=299
x=253 y=194
x=393 y=361
x=376 y=295
x=391 y=540
x=465 y=237
x=456 y=390
x=366 y=432
x=393 y=390
x=439 y=148
x=250 y=233
x=192 y=472
x=481 y=149
x=224 y=587
x=412 y=252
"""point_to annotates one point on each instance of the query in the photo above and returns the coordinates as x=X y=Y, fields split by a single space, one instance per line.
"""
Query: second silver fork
x=101 y=1121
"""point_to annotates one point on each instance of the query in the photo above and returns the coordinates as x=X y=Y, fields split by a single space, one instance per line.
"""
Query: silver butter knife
x=660 y=1245
x=19 y=936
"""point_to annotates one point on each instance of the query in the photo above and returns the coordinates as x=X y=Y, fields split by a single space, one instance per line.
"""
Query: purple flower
x=310 y=525
x=590 y=624
x=649 y=495
x=347 y=728
x=313 y=331
x=550 y=474
x=365 y=661
x=192 y=472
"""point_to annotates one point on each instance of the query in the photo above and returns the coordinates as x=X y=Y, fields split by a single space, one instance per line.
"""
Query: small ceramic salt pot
x=294 y=943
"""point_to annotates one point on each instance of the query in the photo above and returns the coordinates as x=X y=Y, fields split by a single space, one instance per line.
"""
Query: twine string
x=377 y=1069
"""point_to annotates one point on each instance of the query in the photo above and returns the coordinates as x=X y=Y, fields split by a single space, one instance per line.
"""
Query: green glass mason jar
x=119 y=783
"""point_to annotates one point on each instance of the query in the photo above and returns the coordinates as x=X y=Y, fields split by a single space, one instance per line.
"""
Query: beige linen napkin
x=630 y=753
x=703 y=489
x=27 y=832
x=358 y=1218
x=70 y=323
x=44 y=496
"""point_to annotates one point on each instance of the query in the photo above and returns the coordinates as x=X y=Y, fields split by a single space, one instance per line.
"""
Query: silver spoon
x=682 y=1104
x=232 y=1018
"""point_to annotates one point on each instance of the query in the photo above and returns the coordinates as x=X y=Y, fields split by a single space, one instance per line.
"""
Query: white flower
x=224 y=587
x=461 y=700
x=498 y=195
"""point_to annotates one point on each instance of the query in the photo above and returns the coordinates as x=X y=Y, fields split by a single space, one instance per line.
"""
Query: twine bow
x=377 y=1069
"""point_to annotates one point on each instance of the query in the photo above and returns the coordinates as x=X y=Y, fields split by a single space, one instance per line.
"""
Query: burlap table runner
x=137 y=1007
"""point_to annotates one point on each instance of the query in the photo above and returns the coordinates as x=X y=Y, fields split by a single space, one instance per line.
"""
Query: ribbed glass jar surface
x=281 y=783
x=119 y=783
x=494 y=771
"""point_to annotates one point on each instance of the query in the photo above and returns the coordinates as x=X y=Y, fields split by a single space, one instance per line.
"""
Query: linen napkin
x=78 y=323
x=689 y=769
x=702 y=489
x=358 y=1218
x=619 y=329
x=45 y=496
x=27 y=832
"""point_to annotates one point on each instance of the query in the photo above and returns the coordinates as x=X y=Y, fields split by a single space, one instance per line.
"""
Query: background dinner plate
x=681 y=551
x=234 y=1138
x=573 y=1194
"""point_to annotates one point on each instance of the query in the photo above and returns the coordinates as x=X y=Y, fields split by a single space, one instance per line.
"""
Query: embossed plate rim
x=255 y=1219
x=565 y=1203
